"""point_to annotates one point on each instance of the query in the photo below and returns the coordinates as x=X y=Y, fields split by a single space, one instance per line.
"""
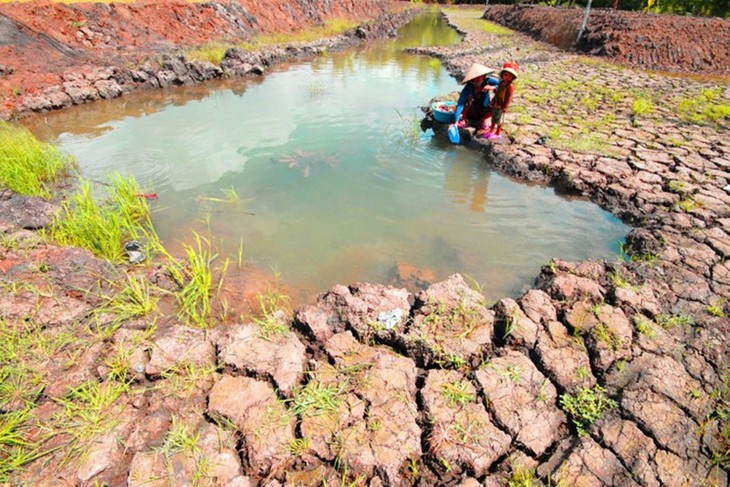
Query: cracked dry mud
x=459 y=392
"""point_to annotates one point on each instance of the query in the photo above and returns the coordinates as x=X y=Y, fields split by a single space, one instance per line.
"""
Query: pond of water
x=335 y=182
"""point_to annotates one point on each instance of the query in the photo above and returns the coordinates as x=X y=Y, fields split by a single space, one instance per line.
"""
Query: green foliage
x=457 y=393
x=316 y=398
x=212 y=52
x=195 y=277
x=103 y=225
x=331 y=27
x=586 y=406
x=705 y=107
x=641 y=106
x=270 y=324
x=27 y=165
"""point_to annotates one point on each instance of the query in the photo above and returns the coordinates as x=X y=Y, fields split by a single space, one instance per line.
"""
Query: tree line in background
x=703 y=8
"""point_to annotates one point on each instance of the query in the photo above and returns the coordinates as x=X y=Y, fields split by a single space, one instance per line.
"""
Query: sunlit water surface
x=335 y=182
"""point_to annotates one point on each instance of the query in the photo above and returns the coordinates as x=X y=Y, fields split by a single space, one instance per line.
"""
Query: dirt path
x=374 y=385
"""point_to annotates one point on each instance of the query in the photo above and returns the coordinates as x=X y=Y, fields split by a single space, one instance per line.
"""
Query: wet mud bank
x=605 y=373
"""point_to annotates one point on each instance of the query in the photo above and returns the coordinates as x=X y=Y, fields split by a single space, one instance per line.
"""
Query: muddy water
x=320 y=173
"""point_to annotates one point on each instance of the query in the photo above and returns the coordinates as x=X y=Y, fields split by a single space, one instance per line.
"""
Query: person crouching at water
x=502 y=99
x=472 y=108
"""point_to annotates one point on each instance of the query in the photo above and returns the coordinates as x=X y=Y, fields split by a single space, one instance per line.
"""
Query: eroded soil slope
x=643 y=40
x=41 y=41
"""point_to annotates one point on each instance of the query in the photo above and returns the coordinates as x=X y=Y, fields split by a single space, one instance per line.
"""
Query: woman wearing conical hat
x=472 y=108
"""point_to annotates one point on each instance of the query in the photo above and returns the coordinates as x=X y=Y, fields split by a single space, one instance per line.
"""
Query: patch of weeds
x=196 y=280
x=102 y=226
x=511 y=372
x=670 y=321
x=618 y=280
x=15 y=449
x=705 y=107
x=648 y=258
x=677 y=186
x=270 y=324
x=212 y=52
x=185 y=378
x=587 y=406
x=180 y=439
x=27 y=165
x=582 y=372
x=332 y=27
x=316 y=398
x=644 y=326
x=449 y=360
x=522 y=477
x=317 y=89
x=604 y=334
x=470 y=434
x=586 y=143
x=89 y=411
x=23 y=355
x=119 y=364
x=410 y=127
x=297 y=446
x=641 y=106
x=134 y=300
x=717 y=308
x=457 y=393
x=721 y=412
x=687 y=204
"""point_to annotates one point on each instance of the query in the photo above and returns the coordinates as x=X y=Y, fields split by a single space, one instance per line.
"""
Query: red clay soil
x=648 y=41
x=40 y=40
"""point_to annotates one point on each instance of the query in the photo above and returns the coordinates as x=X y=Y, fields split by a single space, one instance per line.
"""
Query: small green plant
x=196 y=280
x=297 y=446
x=316 y=398
x=410 y=127
x=670 y=321
x=457 y=393
x=27 y=165
x=270 y=323
x=554 y=133
x=687 y=204
x=604 y=334
x=522 y=477
x=644 y=326
x=134 y=300
x=717 y=308
x=641 y=106
x=582 y=372
x=587 y=406
x=618 y=280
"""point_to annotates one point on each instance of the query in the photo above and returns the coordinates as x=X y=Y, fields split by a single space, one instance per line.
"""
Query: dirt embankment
x=647 y=41
x=45 y=44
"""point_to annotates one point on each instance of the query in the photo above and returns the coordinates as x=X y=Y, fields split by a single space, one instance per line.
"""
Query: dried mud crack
x=606 y=373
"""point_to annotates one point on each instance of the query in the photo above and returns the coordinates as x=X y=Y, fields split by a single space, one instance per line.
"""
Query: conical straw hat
x=475 y=71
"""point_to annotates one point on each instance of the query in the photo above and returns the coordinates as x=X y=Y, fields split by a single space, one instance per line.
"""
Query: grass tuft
x=103 y=226
x=27 y=165
x=196 y=280
x=586 y=406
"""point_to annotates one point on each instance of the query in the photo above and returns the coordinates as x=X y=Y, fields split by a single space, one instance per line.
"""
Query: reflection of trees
x=467 y=180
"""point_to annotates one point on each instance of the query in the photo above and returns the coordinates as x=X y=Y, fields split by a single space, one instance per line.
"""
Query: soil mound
x=643 y=40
